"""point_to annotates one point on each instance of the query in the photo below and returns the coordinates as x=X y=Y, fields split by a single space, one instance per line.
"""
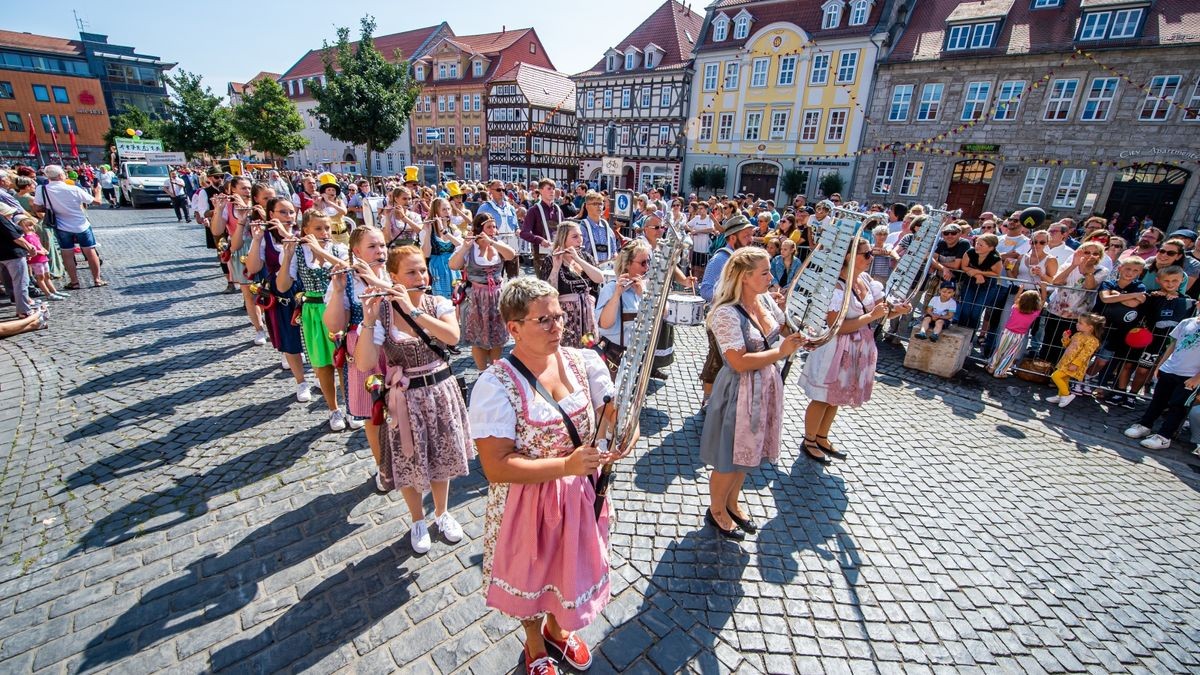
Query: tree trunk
x=367 y=168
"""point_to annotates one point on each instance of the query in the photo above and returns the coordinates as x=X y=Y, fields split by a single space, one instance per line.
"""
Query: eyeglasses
x=1040 y=242
x=1169 y=252
x=546 y=322
x=1115 y=247
x=866 y=253
x=645 y=263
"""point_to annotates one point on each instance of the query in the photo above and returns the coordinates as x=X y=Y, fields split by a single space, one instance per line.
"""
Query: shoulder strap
x=422 y=334
x=746 y=320
x=46 y=196
x=541 y=390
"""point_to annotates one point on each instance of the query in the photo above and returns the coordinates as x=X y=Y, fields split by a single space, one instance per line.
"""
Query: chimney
x=503 y=28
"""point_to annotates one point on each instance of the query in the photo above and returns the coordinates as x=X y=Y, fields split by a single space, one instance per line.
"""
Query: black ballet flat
x=734 y=533
x=745 y=524
x=808 y=446
x=829 y=449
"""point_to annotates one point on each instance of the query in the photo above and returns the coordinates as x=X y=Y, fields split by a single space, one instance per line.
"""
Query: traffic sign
x=612 y=166
x=622 y=204
x=432 y=136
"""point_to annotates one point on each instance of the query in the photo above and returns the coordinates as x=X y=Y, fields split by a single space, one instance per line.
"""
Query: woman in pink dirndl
x=842 y=371
x=546 y=556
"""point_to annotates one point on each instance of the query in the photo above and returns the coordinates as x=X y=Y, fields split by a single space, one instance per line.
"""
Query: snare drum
x=685 y=310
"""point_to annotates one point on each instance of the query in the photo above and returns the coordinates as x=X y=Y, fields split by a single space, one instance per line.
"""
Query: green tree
x=196 y=121
x=716 y=179
x=268 y=120
x=831 y=183
x=365 y=100
x=698 y=178
x=133 y=118
x=794 y=181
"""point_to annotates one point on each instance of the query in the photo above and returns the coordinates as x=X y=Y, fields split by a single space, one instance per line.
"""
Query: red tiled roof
x=806 y=14
x=541 y=86
x=673 y=27
x=1028 y=31
x=407 y=43
x=494 y=46
x=39 y=43
x=489 y=43
x=240 y=87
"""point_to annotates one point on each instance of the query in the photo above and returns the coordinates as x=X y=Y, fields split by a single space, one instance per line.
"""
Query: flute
x=393 y=293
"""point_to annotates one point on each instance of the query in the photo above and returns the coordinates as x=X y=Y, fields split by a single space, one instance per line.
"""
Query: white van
x=142 y=184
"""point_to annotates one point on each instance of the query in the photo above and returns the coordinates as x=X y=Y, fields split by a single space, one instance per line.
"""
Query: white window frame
x=975 y=100
x=1070 y=185
x=418 y=72
x=664 y=135
x=590 y=135
x=1033 y=189
x=1046 y=4
x=733 y=71
x=779 y=124
x=787 y=71
x=477 y=68
x=441 y=73
x=859 y=11
x=983 y=35
x=450 y=136
x=720 y=29
x=741 y=28
x=706 y=128
x=1094 y=26
x=819 y=76
x=881 y=184
x=647 y=97
x=476 y=135
x=1192 y=114
x=1130 y=19
x=1060 y=99
x=454 y=71
x=958 y=37
x=451 y=102
x=838 y=119
x=441 y=104
x=589 y=100
x=901 y=105
x=930 y=106
x=1008 y=100
x=847 y=67
x=832 y=16
x=1100 y=99
x=664 y=96
x=626 y=99
x=1162 y=92
x=725 y=127
x=810 y=128
x=754 y=120
x=610 y=63
x=624 y=135
x=630 y=60
x=608 y=99
x=759 y=69
x=477 y=99
x=712 y=75
x=910 y=180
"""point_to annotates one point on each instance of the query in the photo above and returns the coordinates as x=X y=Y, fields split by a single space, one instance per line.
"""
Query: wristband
x=378 y=335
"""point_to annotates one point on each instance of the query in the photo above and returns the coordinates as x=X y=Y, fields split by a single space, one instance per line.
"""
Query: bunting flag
x=71 y=134
x=34 y=148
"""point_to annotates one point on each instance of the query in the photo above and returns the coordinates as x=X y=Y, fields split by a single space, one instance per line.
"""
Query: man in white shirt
x=281 y=187
x=896 y=213
x=177 y=191
x=72 y=226
x=1058 y=245
x=108 y=187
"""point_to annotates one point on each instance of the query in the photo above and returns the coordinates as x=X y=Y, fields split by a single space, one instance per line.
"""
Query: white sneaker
x=419 y=536
x=337 y=420
x=450 y=528
x=260 y=338
x=1138 y=431
x=304 y=392
x=1053 y=399
x=1156 y=442
x=284 y=364
x=1066 y=400
x=379 y=486
x=354 y=422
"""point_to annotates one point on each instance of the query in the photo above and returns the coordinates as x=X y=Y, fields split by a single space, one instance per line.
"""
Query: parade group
x=376 y=283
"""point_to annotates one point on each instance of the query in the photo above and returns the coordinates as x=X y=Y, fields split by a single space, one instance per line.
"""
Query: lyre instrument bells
x=811 y=291
x=907 y=279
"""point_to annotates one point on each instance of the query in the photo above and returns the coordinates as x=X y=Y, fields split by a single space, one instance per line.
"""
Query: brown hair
x=398 y=252
x=1029 y=302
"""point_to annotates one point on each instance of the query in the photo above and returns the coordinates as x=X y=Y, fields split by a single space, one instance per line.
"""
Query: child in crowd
x=39 y=260
x=1026 y=310
x=1164 y=309
x=1178 y=377
x=1074 y=361
x=1120 y=301
x=938 y=312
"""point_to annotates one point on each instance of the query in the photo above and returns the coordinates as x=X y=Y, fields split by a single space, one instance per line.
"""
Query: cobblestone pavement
x=167 y=504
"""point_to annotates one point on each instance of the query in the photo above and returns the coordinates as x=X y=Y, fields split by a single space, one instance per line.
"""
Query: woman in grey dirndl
x=744 y=423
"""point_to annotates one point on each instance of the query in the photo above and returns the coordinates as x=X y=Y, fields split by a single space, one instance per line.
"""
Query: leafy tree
x=716 y=179
x=133 y=118
x=831 y=183
x=365 y=100
x=794 y=181
x=268 y=120
x=196 y=121
x=698 y=178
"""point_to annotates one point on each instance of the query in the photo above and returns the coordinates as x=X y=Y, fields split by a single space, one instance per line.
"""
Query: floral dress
x=544 y=549
x=427 y=437
x=842 y=371
x=744 y=423
x=482 y=325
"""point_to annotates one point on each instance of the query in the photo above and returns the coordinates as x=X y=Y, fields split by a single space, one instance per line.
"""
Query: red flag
x=54 y=136
x=71 y=132
x=34 y=148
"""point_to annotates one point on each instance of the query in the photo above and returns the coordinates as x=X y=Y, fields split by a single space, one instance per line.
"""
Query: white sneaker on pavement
x=304 y=392
x=450 y=528
x=1156 y=442
x=284 y=364
x=260 y=338
x=1065 y=401
x=1138 y=431
x=354 y=422
x=419 y=536
x=1053 y=399
x=337 y=420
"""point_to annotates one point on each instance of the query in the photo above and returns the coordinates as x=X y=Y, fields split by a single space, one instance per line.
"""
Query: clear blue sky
x=205 y=38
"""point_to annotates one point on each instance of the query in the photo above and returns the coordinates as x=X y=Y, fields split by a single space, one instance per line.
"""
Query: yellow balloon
x=129 y=131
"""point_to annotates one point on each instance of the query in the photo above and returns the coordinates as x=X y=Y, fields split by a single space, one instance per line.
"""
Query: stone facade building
x=642 y=86
x=531 y=127
x=1076 y=106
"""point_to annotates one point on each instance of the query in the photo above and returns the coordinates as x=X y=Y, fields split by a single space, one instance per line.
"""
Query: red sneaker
x=542 y=665
x=573 y=650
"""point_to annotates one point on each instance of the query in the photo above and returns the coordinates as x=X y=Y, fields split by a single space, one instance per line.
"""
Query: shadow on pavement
x=153 y=306
x=162 y=344
x=172 y=322
x=140 y=373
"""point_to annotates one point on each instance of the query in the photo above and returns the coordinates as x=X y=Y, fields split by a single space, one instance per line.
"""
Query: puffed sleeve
x=599 y=381
x=442 y=307
x=491 y=413
x=727 y=329
x=877 y=294
x=835 y=302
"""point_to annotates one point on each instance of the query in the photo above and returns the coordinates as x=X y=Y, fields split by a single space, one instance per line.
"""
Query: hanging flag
x=71 y=133
x=54 y=136
x=34 y=148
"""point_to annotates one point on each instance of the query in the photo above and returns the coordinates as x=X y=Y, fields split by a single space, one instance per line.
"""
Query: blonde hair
x=628 y=252
x=518 y=294
x=729 y=288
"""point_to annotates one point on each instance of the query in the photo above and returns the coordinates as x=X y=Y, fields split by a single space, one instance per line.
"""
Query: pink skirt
x=549 y=553
x=359 y=403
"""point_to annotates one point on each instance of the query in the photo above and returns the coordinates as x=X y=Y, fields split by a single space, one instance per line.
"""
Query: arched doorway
x=759 y=178
x=349 y=156
x=1147 y=189
x=969 y=185
x=630 y=179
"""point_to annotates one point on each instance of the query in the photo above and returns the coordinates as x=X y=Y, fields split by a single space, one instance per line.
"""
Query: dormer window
x=453 y=70
x=610 y=63
x=477 y=68
x=1046 y=4
x=720 y=28
x=741 y=26
x=971 y=36
x=832 y=16
x=859 y=10
x=630 y=60
x=650 y=59
x=420 y=73
x=441 y=71
x=1111 y=25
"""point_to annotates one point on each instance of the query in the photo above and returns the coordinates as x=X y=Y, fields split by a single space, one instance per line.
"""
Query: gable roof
x=240 y=87
x=492 y=46
x=1024 y=30
x=407 y=43
x=673 y=27
x=807 y=14
x=489 y=43
x=541 y=86
x=39 y=43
